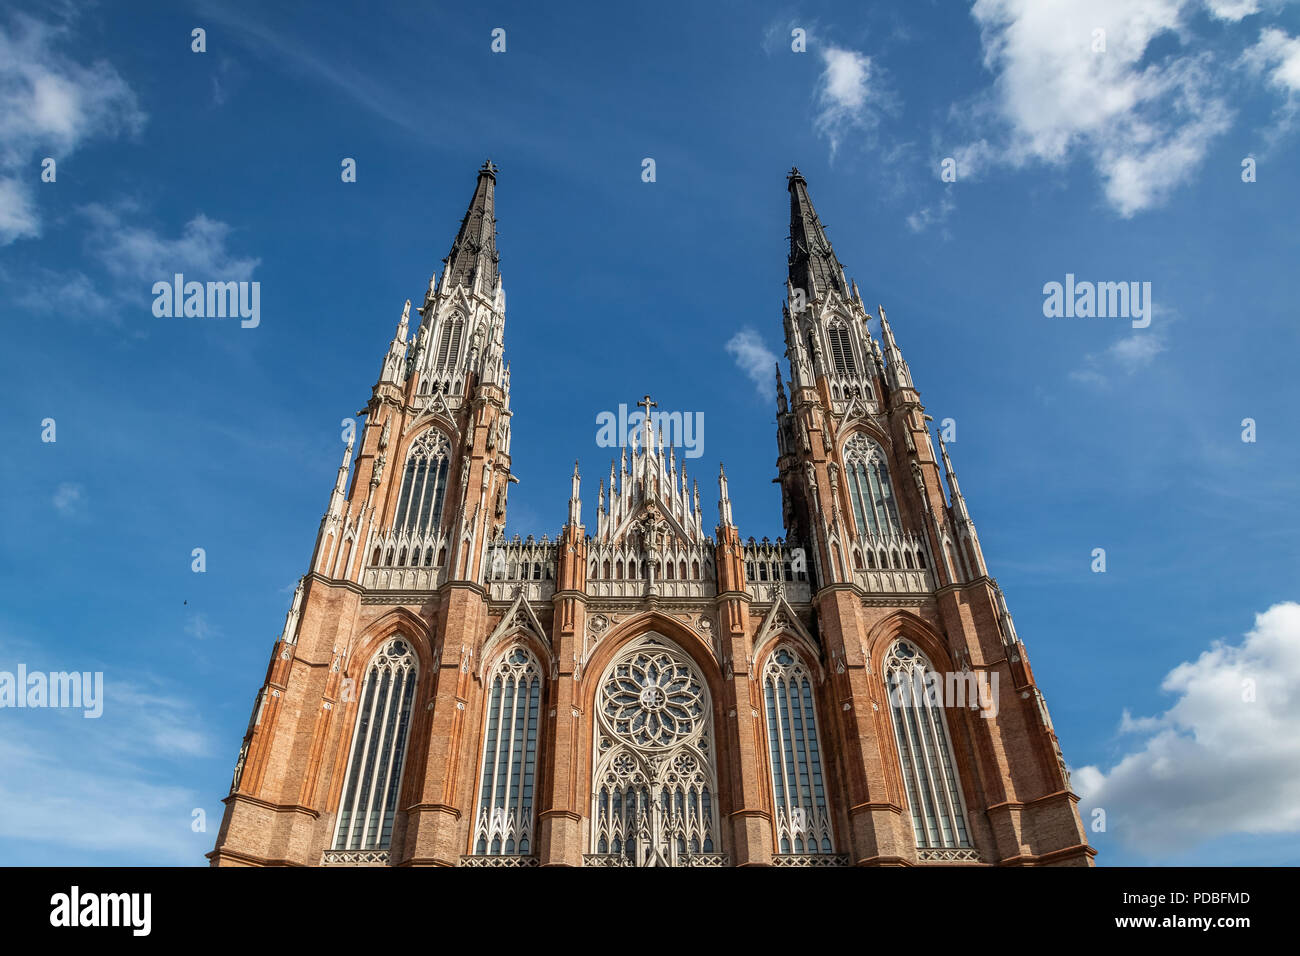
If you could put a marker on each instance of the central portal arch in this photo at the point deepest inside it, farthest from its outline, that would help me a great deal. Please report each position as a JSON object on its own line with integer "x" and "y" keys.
{"x": 654, "y": 778}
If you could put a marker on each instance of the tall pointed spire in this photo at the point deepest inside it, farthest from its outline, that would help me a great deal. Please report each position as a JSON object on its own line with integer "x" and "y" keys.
{"x": 899, "y": 375}
{"x": 339, "y": 496}
{"x": 968, "y": 538}
{"x": 813, "y": 266}
{"x": 954, "y": 489}
{"x": 396, "y": 366}
{"x": 473, "y": 257}
{"x": 724, "y": 499}
{"x": 575, "y": 499}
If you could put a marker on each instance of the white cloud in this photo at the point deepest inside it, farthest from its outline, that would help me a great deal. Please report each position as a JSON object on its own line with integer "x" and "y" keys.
{"x": 1145, "y": 125}
{"x": 18, "y": 216}
{"x": 58, "y": 293}
{"x": 72, "y": 787}
{"x": 160, "y": 724}
{"x": 1224, "y": 759}
{"x": 754, "y": 359}
{"x": 88, "y": 786}
{"x": 1125, "y": 357}
{"x": 49, "y": 105}
{"x": 1232, "y": 10}
{"x": 62, "y": 803}
{"x": 1137, "y": 350}
{"x": 200, "y": 628}
{"x": 69, "y": 499}
{"x": 935, "y": 214}
{"x": 846, "y": 94}
{"x": 132, "y": 252}
{"x": 1279, "y": 55}
{"x": 135, "y": 256}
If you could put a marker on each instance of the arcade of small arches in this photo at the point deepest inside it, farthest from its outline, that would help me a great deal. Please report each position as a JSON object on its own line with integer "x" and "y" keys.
{"x": 654, "y": 792}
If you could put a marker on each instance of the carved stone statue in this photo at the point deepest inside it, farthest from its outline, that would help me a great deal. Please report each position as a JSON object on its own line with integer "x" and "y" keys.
{"x": 239, "y": 767}
{"x": 810, "y": 472}
{"x": 649, "y": 525}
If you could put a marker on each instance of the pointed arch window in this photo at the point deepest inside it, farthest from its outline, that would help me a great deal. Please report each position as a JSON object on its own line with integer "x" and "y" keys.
{"x": 504, "y": 823}
{"x": 369, "y": 801}
{"x": 449, "y": 342}
{"x": 803, "y": 824}
{"x": 424, "y": 484}
{"x": 841, "y": 350}
{"x": 654, "y": 782}
{"x": 924, "y": 748}
{"x": 874, "y": 507}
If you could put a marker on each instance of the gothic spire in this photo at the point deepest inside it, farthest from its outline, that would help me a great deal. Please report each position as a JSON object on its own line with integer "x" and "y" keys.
{"x": 338, "y": 497}
{"x": 813, "y": 266}
{"x": 899, "y": 375}
{"x": 473, "y": 257}
{"x": 954, "y": 489}
{"x": 724, "y": 500}
{"x": 575, "y": 499}
{"x": 968, "y": 538}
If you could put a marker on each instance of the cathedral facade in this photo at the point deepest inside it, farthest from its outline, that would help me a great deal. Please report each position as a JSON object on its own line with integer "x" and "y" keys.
{"x": 643, "y": 692}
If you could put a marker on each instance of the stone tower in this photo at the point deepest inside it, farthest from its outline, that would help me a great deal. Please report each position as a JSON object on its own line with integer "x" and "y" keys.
{"x": 647, "y": 694}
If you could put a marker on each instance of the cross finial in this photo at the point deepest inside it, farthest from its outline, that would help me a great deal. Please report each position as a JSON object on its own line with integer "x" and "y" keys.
{"x": 648, "y": 405}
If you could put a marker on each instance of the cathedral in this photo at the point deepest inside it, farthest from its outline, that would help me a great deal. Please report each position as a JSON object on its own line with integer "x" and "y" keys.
{"x": 648, "y": 689}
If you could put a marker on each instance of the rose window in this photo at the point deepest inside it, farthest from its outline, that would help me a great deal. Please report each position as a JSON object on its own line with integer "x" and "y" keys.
{"x": 652, "y": 700}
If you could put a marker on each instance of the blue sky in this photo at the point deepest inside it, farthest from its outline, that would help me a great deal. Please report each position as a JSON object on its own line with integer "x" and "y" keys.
{"x": 1122, "y": 164}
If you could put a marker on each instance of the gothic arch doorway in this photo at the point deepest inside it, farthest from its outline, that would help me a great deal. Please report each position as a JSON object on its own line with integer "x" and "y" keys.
{"x": 654, "y": 769}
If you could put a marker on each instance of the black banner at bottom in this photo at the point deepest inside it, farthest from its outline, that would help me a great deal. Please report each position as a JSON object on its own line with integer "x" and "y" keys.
{"x": 338, "y": 905}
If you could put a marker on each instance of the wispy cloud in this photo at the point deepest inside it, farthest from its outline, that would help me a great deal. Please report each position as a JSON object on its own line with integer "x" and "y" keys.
{"x": 132, "y": 251}
{"x": 200, "y": 628}
{"x": 46, "y": 799}
{"x": 1232, "y": 10}
{"x": 848, "y": 94}
{"x": 754, "y": 358}
{"x": 85, "y": 787}
{"x": 50, "y": 104}
{"x": 134, "y": 255}
{"x": 289, "y": 50}
{"x": 69, "y": 499}
{"x": 1276, "y": 55}
{"x": 934, "y": 215}
{"x": 1123, "y": 358}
